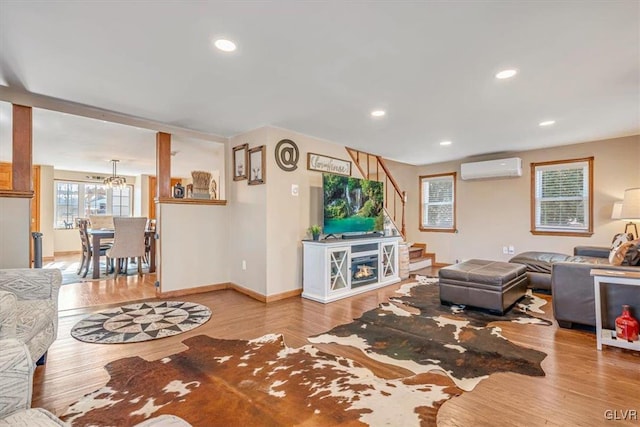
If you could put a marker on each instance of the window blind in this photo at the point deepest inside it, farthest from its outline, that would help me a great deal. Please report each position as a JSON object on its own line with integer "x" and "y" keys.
{"x": 562, "y": 196}
{"x": 438, "y": 202}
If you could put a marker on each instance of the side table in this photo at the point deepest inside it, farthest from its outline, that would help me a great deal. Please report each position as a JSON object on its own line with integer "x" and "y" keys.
{"x": 624, "y": 278}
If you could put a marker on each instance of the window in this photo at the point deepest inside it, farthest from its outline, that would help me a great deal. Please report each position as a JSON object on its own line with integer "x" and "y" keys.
{"x": 562, "y": 194}
{"x": 80, "y": 199}
{"x": 438, "y": 202}
{"x": 66, "y": 204}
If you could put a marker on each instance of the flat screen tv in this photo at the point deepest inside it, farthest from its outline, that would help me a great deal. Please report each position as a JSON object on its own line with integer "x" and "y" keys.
{"x": 352, "y": 205}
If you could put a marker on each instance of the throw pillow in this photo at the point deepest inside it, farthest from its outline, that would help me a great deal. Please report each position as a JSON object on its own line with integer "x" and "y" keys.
{"x": 619, "y": 239}
{"x": 617, "y": 242}
{"x": 633, "y": 254}
{"x": 616, "y": 257}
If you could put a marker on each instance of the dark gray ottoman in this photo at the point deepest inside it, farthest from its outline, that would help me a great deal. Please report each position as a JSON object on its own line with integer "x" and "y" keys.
{"x": 493, "y": 285}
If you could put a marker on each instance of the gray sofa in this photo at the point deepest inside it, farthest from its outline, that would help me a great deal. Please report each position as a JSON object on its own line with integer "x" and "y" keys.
{"x": 568, "y": 277}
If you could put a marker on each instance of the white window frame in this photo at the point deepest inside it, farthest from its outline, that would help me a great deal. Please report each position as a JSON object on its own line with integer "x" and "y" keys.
{"x": 537, "y": 169}
{"x": 81, "y": 193}
{"x": 424, "y": 226}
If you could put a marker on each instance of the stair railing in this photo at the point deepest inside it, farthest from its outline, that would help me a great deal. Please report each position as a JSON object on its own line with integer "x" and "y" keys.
{"x": 372, "y": 167}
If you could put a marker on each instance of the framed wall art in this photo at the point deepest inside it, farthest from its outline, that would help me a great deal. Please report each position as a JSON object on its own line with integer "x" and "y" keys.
{"x": 240, "y": 156}
{"x": 257, "y": 165}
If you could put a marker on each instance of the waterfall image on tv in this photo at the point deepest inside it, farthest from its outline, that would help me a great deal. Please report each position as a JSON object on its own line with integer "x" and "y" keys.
{"x": 352, "y": 204}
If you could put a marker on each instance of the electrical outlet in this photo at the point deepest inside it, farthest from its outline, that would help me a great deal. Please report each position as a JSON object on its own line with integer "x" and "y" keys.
{"x": 295, "y": 190}
{"x": 512, "y": 250}
{"x": 244, "y": 264}
{"x": 505, "y": 250}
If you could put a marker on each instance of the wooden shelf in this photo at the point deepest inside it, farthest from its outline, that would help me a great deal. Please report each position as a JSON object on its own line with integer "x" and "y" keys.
{"x": 625, "y": 278}
{"x": 171, "y": 200}
{"x": 607, "y": 337}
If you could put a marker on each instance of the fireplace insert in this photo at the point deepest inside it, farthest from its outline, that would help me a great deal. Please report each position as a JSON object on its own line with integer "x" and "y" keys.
{"x": 364, "y": 270}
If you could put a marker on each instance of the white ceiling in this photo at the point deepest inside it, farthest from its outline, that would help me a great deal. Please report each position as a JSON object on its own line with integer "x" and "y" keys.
{"x": 319, "y": 68}
{"x": 76, "y": 143}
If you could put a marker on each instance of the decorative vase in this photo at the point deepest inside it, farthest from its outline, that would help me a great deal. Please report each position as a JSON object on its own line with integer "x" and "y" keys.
{"x": 315, "y": 236}
{"x": 626, "y": 326}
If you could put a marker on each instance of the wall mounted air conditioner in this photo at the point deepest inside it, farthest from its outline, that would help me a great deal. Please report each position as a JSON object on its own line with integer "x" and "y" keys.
{"x": 491, "y": 169}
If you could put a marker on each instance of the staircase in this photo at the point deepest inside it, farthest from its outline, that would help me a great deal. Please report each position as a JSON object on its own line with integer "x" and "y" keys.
{"x": 372, "y": 167}
{"x": 419, "y": 258}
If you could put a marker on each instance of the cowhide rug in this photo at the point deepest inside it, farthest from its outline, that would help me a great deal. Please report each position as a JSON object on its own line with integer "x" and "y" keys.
{"x": 258, "y": 383}
{"x": 416, "y": 332}
{"x": 263, "y": 382}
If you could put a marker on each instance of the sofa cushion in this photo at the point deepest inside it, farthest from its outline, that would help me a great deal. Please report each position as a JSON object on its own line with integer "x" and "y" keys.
{"x": 35, "y": 325}
{"x": 35, "y": 417}
{"x": 539, "y": 262}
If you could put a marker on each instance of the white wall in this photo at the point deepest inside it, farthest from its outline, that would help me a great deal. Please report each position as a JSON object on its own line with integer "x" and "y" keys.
{"x": 193, "y": 245}
{"x": 15, "y": 215}
{"x": 266, "y": 222}
{"x": 496, "y": 212}
{"x": 139, "y": 198}
{"x": 46, "y": 211}
{"x": 288, "y": 216}
{"x": 247, "y": 221}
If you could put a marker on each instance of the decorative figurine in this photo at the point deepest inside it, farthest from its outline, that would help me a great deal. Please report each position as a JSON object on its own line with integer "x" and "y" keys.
{"x": 178, "y": 191}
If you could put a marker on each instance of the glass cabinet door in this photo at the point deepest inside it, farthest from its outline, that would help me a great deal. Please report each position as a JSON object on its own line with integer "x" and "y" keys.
{"x": 338, "y": 269}
{"x": 388, "y": 260}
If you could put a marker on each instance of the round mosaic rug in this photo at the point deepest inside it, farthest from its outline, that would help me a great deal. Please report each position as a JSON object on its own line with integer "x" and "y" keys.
{"x": 141, "y": 322}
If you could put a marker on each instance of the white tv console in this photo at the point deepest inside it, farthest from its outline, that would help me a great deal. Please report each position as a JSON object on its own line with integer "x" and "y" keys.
{"x": 339, "y": 268}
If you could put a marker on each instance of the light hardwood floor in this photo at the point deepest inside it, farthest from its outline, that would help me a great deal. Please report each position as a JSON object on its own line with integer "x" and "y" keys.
{"x": 580, "y": 386}
{"x": 100, "y": 292}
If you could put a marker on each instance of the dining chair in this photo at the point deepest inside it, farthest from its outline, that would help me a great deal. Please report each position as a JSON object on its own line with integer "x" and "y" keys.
{"x": 101, "y": 221}
{"x": 151, "y": 227}
{"x": 87, "y": 249}
{"x": 128, "y": 242}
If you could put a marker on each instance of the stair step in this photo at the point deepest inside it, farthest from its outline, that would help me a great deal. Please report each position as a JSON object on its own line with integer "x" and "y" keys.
{"x": 420, "y": 263}
{"x": 417, "y": 250}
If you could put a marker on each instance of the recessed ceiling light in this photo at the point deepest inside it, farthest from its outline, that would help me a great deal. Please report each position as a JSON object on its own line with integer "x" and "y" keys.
{"x": 445, "y": 143}
{"x": 506, "y": 74}
{"x": 225, "y": 45}
{"x": 378, "y": 113}
{"x": 547, "y": 123}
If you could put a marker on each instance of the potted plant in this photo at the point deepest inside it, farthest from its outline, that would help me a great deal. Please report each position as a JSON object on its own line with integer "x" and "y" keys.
{"x": 315, "y": 231}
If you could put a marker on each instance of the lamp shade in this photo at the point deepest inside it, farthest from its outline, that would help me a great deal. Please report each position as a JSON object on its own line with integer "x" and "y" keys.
{"x": 631, "y": 204}
{"x": 616, "y": 213}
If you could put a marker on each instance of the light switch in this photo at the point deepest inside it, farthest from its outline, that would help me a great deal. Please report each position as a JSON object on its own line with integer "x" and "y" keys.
{"x": 294, "y": 189}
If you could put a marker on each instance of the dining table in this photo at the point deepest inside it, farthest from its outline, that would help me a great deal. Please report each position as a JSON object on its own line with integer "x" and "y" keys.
{"x": 97, "y": 235}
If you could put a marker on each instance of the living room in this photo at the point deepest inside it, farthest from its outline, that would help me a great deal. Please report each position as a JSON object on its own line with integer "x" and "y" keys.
{"x": 253, "y": 244}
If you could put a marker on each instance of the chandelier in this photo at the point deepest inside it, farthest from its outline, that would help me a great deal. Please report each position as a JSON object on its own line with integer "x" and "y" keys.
{"x": 115, "y": 181}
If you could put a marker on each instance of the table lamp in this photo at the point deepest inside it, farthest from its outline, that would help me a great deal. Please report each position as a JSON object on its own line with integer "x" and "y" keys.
{"x": 631, "y": 208}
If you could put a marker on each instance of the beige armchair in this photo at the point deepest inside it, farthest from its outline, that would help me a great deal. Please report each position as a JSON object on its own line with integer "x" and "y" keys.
{"x": 29, "y": 308}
